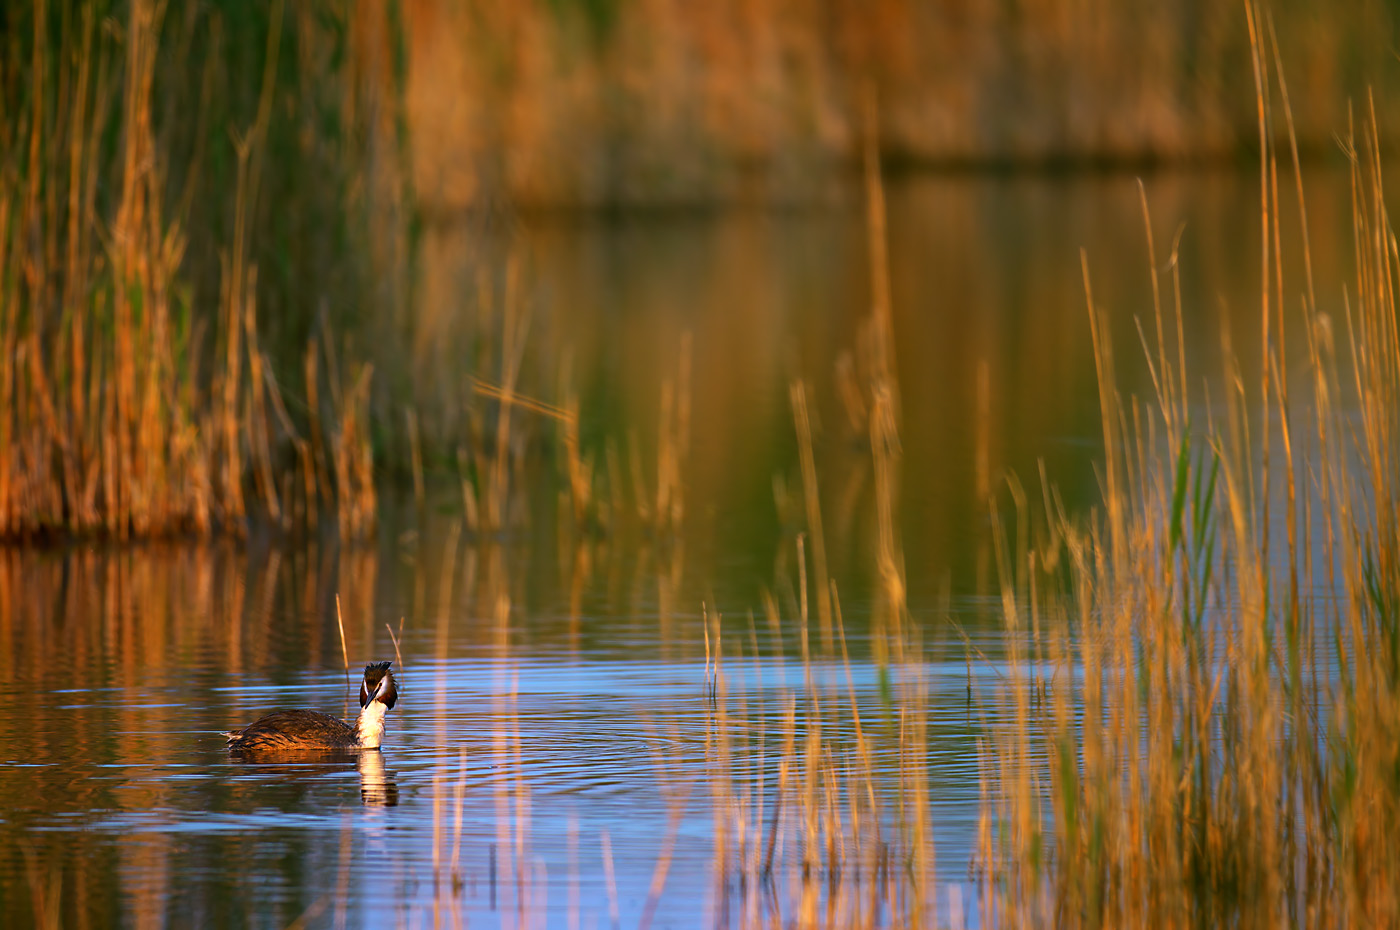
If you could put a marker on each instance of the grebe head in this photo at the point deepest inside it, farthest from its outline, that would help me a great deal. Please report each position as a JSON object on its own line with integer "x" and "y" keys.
{"x": 378, "y": 685}
{"x": 377, "y": 694}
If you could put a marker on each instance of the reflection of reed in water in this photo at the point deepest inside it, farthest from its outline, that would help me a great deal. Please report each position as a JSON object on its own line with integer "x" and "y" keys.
{"x": 113, "y": 617}
{"x": 121, "y": 621}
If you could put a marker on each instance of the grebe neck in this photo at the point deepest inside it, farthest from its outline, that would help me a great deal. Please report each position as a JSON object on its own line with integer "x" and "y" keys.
{"x": 369, "y": 728}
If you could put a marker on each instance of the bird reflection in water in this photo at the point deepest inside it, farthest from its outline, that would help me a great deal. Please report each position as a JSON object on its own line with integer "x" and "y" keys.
{"x": 377, "y": 785}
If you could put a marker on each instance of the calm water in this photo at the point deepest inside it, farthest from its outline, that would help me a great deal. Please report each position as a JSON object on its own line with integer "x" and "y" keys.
{"x": 536, "y": 761}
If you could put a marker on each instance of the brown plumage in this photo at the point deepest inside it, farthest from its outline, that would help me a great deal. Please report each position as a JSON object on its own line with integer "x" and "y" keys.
{"x": 296, "y": 730}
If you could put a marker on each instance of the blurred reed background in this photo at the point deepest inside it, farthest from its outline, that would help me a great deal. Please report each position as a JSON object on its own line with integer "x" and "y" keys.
{"x": 212, "y": 212}
{"x": 604, "y": 103}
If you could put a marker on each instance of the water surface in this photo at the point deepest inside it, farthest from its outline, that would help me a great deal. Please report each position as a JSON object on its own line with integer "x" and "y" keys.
{"x": 540, "y": 756}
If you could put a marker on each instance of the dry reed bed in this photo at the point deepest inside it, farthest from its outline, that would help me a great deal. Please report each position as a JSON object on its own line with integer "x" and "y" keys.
{"x": 117, "y": 416}
{"x": 1223, "y": 722}
{"x": 129, "y": 413}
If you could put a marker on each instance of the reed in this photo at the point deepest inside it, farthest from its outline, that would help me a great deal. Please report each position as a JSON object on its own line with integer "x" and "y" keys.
{"x": 121, "y": 414}
{"x": 820, "y": 816}
{"x": 1223, "y": 724}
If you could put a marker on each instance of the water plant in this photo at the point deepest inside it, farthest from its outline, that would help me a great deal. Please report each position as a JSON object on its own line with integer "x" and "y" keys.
{"x": 1222, "y": 726}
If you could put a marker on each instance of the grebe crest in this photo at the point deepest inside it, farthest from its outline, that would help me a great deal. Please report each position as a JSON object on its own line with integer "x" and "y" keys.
{"x": 284, "y": 730}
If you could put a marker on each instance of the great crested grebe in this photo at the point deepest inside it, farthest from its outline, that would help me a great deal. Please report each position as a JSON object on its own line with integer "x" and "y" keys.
{"x": 284, "y": 730}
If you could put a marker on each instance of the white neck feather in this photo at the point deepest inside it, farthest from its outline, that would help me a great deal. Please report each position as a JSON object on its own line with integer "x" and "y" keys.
{"x": 369, "y": 729}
